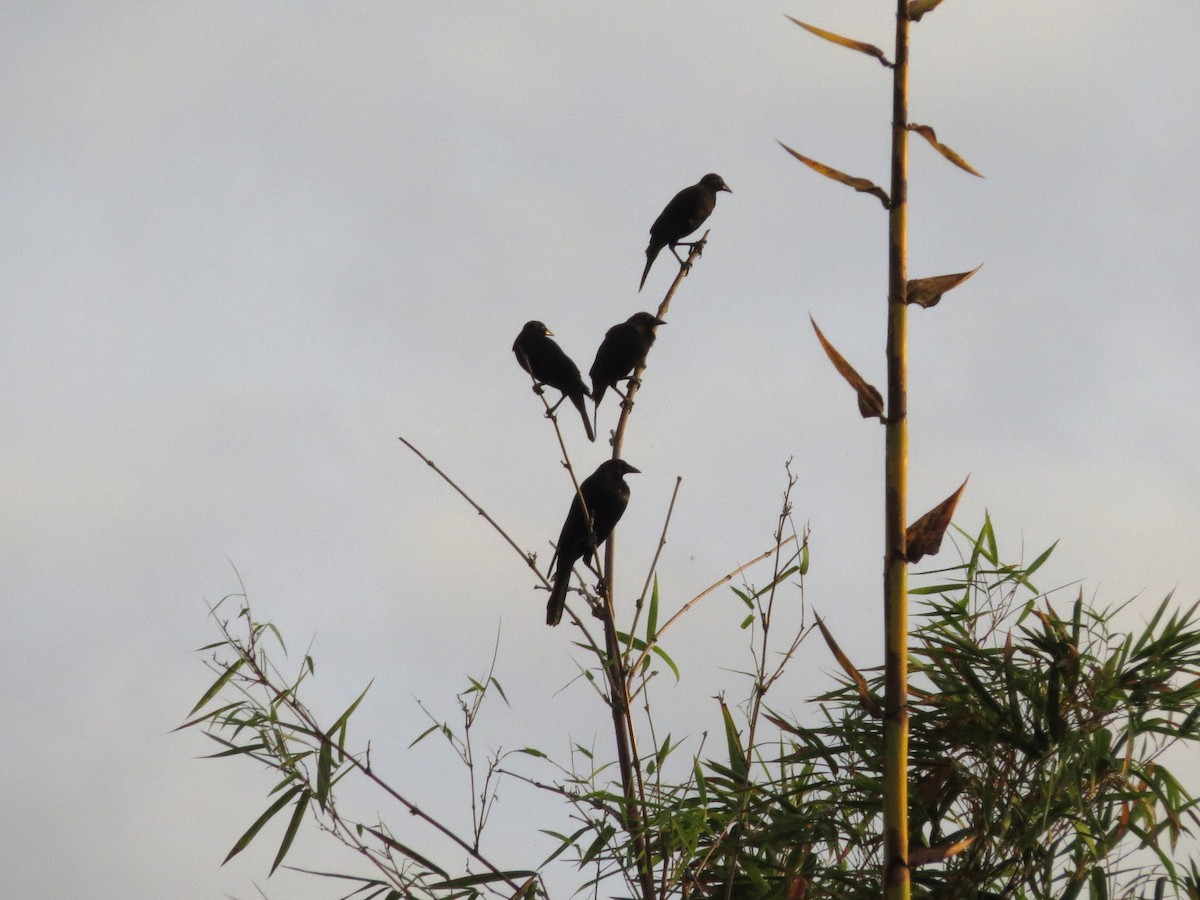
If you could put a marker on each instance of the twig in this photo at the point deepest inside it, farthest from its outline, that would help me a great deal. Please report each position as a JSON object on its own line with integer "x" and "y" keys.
{"x": 653, "y": 640}
{"x": 529, "y": 558}
{"x": 662, "y": 542}
{"x": 632, "y": 781}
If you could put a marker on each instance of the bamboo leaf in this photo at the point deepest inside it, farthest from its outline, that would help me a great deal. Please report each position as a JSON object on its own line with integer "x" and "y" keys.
{"x": 662, "y": 654}
{"x": 926, "y": 292}
{"x": 290, "y": 835}
{"x": 324, "y": 772}
{"x": 918, "y": 8}
{"x": 870, "y": 401}
{"x": 262, "y": 820}
{"x": 217, "y": 685}
{"x": 869, "y": 49}
{"x": 407, "y": 851}
{"x": 209, "y": 716}
{"x": 868, "y": 700}
{"x": 483, "y": 878}
{"x": 930, "y": 135}
{"x": 924, "y": 536}
{"x": 733, "y": 741}
{"x": 862, "y": 185}
{"x": 424, "y": 734}
{"x": 344, "y": 718}
{"x": 652, "y": 614}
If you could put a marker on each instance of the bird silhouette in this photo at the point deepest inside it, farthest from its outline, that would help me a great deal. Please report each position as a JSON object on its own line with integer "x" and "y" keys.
{"x": 684, "y": 214}
{"x": 606, "y": 495}
{"x": 541, "y": 357}
{"x": 623, "y": 349}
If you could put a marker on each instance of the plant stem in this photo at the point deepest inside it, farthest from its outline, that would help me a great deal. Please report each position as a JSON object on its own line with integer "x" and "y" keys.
{"x": 896, "y": 880}
{"x": 616, "y": 664}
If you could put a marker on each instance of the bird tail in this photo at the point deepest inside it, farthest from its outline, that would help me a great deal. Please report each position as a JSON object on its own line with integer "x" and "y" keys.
{"x": 651, "y": 255}
{"x": 587, "y": 424}
{"x": 597, "y": 393}
{"x": 558, "y": 596}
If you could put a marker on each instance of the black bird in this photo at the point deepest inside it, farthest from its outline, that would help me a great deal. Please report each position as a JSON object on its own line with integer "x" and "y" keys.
{"x": 623, "y": 349}
{"x": 684, "y": 214}
{"x": 542, "y": 358}
{"x": 606, "y": 495}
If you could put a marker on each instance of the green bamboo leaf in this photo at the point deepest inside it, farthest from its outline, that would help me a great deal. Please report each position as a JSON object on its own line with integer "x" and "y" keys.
{"x": 1040, "y": 561}
{"x": 652, "y": 614}
{"x": 424, "y": 734}
{"x": 1148, "y": 633}
{"x": 565, "y": 842}
{"x": 701, "y": 782}
{"x": 947, "y": 588}
{"x": 237, "y": 751}
{"x": 733, "y": 741}
{"x": 804, "y": 560}
{"x": 494, "y": 682}
{"x": 344, "y": 718}
{"x": 862, "y": 185}
{"x": 603, "y": 834}
{"x": 482, "y": 878}
{"x": 989, "y": 534}
{"x": 407, "y": 851}
{"x": 868, "y": 49}
{"x": 662, "y": 654}
{"x": 324, "y": 771}
{"x": 217, "y": 685}
{"x": 210, "y": 716}
{"x": 262, "y": 820}
{"x": 290, "y": 835}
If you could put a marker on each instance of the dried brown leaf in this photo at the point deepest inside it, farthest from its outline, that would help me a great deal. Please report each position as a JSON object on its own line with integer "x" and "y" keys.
{"x": 918, "y": 8}
{"x": 928, "y": 133}
{"x": 923, "y": 856}
{"x": 870, "y": 401}
{"x": 927, "y": 292}
{"x": 869, "y": 49}
{"x": 924, "y": 536}
{"x": 868, "y": 700}
{"x": 862, "y": 185}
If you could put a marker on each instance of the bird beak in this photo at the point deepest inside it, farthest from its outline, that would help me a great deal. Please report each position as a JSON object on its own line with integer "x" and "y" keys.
{"x": 630, "y": 470}
{"x": 660, "y": 322}
{"x": 726, "y": 188}
{"x": 549, "y": 333}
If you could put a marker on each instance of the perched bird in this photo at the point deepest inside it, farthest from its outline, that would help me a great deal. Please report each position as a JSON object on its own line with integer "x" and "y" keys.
{"x": 623, "y": 349}
{"x": 684, "y": 214}
{"x": 606, "y": 495}
{"x": 542, "y": 358}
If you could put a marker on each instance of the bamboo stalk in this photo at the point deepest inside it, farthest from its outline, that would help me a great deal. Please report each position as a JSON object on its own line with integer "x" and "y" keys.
{"x": 896, "y": 880}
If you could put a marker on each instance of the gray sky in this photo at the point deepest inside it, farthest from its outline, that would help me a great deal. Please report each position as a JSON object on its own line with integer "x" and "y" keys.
{"x": 250, "y": 244}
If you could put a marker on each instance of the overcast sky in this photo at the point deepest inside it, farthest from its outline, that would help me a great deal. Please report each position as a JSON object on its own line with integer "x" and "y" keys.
{"x": 249, "y": 244}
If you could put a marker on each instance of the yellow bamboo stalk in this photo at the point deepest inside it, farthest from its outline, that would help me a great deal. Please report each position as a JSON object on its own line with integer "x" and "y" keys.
{"x": 896, "y": 881}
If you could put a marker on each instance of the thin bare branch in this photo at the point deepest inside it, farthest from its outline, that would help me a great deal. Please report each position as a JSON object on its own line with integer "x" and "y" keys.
{"x": 662, "y": 542}
{"x": 654, "y": 640}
